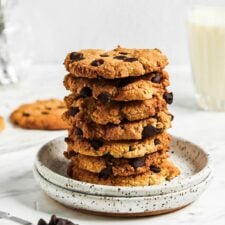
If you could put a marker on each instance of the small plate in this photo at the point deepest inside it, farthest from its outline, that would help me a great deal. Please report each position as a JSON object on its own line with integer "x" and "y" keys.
{"x": 122, "y": 206}
{"x": 195, "y": 165}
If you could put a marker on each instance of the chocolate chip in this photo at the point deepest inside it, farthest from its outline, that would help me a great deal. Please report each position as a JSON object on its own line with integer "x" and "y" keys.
{"x": 123, "y": 53}
{"x": 130, "y": 59}
{"x": 66, "y": 139}
{"x": 76, "y": 56}
{"x": 44, "y": 113}
{"x": 172, "y": 117}
{"x": 157, "y": 141}
{"x": 42, "y": 222}
{"x": 73, "y": 111}
{"x": 104, "y": 97}
{"x": 97, "y": 62}
{"x": 137, "y": 162}
{"x": 26, "y": 114}
{"x": 96, "y": 144}
{"x": 108, "y": 157}
{"x": 155, "y": 169}
{"x": 120, "y": 57}
{"x": 71, "y": 154}
{"x": 85, "y": 92}
{"x": 105, "y": 173}
{"x": 150, "y": 131}
{"x": 53, "y": 220}
{"x": 104, "y": 55}
{"x": 156, "y": 78}
{"x": 168, "y": 96}
{"x": 78, "y": 131}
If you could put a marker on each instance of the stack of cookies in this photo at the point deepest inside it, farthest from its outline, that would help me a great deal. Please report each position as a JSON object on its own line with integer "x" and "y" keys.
{"x": 118, "y": 116}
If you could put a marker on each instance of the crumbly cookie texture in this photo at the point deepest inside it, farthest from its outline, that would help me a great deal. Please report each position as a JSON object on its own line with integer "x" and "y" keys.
{"x": 125, "y": 131}
{"x": 118, "y": 63}
{"x": 122, "y": 166}
{"x": 119, "y": 149}
{"x": 92, "y": 110}
{"x": 42, "y": 114}
{"x": 126, "y": 89}
{"x": 2, "y": 124}
{"x": 167, "y": 172}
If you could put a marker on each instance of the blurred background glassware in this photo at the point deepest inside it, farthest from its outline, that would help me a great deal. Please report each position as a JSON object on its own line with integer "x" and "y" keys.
{"x": 15, "y": 44}
{"x": 206, "y": 25}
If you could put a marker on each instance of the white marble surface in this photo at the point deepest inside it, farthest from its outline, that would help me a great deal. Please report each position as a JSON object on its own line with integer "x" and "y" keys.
{"x": 21, "y": 196}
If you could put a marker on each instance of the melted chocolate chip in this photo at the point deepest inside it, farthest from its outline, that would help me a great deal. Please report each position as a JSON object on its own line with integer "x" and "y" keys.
{"x": 168, "y": 96}
{"x": 104, "y": 55}
{"x": 26, "y": 114}
{"x": 150, "y": 131}
{"x": 96, "y": 144}
{"x": 157, "y": 141}
{"x": 130, "y": 59}
{"x": 97, "y": 62}
{"x": 104, "y": 97}
{"x": 85, "y": 92}
{"x": 105, "y": 173}
{"x": 156, "y": 78}
{"x": 137, "y": 162}
{"x": 120, "y": 57}
{"x": 78, "y": 131}
{"x": 76, "y": 56}
{"x": 155, "y": 169}
{"x": 123, "y": 53}
{"x": 73, "y": 111}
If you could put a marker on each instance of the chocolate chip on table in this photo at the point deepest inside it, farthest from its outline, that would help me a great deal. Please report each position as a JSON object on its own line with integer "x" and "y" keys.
{"x": 156, "y": 78}
{"x": 55, "y": 221}
{"x": 157, "y": 141}
{"x": 150, "y": 131}
{"x": 97, "y": 62}
{"x": 78, "y": 131}
{"x": 85, "y": 92}
{"x": 73, "y": 111}
{"x": 120, "y": 57}
{"x": 168, "y": 96}
{"x": 137, "y": 162}
{"x": 26, "y": 114}
{"x": 96, "y": 144}
{"x": 130, "y": 59}
{"x": 76, "y": 56}
{"x": 105, "y": 173}
{"x": 104, "y": 97}
{"x": 155, "y": 169}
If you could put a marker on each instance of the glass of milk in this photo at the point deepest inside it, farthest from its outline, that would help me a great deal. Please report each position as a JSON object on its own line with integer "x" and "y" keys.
{"x": 206, "y": 26}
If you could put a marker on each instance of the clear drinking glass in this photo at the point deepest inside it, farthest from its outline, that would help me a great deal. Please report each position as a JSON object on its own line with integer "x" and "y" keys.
{"x": 206, "y": 26}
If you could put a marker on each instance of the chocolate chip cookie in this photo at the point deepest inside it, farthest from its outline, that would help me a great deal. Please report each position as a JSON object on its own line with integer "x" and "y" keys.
{"x": 2, "y": 124}
{"x": 126, "y": 89}
{"x": 119, "y": 149}
{"x": 125, "y": 131}
{"x": 92, "y": 110}
{"x": 156, "y": 175}
{"x": 118, "y": 63}
{"x": 42, "y": 114}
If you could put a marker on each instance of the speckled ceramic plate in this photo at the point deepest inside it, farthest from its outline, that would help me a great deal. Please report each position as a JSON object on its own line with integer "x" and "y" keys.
{"x": 122, "y": 206}
{"x": 194, "y": 162}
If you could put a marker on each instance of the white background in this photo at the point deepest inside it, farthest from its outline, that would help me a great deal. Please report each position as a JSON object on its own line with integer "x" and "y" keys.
{"x": 58, "y": 26}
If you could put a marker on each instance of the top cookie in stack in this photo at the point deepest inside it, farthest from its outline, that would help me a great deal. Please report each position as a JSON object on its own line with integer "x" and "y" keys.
{"x": 118, "y": 117}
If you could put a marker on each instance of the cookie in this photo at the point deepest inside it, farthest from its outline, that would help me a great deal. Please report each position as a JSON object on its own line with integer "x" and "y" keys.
{"x": 42, "y": 114}
{"x": 122, "y": 166}
{"x": 125, "y": 131}
{"x": 126, "y": 89}
{"x": 92, "y": 110}
{"x": 119, "y": 149}
{"x": 118, "y": 63}
{"x": 166, "y": 171}
{"x": 2, "y": 124}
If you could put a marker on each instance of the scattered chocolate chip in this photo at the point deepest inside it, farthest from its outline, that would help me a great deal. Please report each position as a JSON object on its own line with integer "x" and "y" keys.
{"x": 120, "y": 57}
{"x": 104, "y": 55}
{"x": 156, "y": 78}
{"x": 73, "y": 111}
{"x": 76, "y": 56}
{"x": 137, "y": 162}
{"x": 105, "y": 173}
{"x": 85, "y": 92}
{"x": 150, "y": 131}
{"x": 26, "y": 114}
{"x": 42, "y": 222}
{"x": 96, "y": 144}
{"x": 78, "y": 131}
{"x": 157, "y": 141}
{"x": 155, "y": 169}
{"x": 130, "y": 59}
{"x": 44, "y": 113}
{"x": 97, "y": 62}
{"x": 168, "y": 96}
{"x": 123, "y": 53}
{"x": 104, "y": 97}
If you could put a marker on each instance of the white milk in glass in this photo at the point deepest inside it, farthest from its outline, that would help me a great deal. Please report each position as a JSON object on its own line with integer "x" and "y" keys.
{"x": 207, "y": 51}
